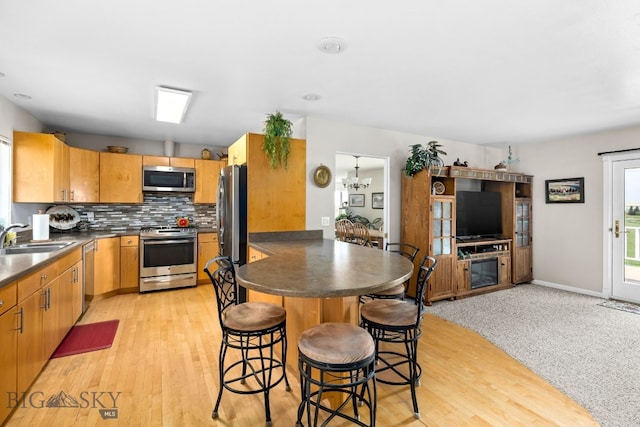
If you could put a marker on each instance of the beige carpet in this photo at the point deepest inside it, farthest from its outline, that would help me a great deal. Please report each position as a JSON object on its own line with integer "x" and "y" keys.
{"x": 590, "y": 352}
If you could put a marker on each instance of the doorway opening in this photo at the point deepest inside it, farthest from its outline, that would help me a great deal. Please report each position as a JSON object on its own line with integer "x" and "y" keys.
{"x": 362, "y": 199}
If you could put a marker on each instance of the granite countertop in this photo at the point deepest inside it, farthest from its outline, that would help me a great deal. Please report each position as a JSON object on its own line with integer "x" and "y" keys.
{"x": 322, "y": 268}
{"x": 16, "y": 266}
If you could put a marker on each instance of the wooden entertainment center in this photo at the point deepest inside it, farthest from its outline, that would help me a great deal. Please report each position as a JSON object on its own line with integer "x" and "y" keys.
{"x": 474, "y": 265}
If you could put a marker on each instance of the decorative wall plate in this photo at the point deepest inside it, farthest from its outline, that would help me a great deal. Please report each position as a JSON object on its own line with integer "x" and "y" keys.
{"x": 438, "y": 187}
{"x": 322, "y": 176}
{"x": 63, "y": 217}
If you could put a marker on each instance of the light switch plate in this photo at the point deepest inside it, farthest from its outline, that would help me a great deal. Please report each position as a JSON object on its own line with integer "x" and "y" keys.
{"x": 325, "y": 221}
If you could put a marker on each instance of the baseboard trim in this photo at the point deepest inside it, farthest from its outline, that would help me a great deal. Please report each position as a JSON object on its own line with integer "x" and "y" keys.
{"x": 568, "y": 288}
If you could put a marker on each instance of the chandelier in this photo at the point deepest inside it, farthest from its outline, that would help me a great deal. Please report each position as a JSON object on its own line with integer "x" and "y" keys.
{"x": 354, "y": 182}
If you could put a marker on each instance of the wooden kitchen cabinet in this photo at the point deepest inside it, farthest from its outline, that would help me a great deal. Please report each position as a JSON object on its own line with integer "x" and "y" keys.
{"x": 52, "y": 312}
{"x": 32, "y": 299}
{"x": 84, "y": 175}
{"x": 40, "y": 168}
{"x": 9, "y": 323}
{"x": 107, "y": 266}
{"x": 272, "y": 206}
{"x": 71, "y": 295}
{"x": 207, "y": 249}
{"x": 177, "y": 162}
{"x": 48, "y": 304}
{"x": 255, "y": 296}
{"x": 207, "y": 175}
{"x": 129, "y": 263}
{"x": 120, "y": 178}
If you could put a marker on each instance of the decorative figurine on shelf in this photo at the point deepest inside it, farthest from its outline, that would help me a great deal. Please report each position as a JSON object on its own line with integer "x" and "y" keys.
{"x": 459, "y": 163}
{"x": 205, "y": 154}
{"x": 509, "y": 161}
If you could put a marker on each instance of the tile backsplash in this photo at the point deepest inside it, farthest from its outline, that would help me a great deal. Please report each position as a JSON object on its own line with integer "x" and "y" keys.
{"x": 157, "y": 210}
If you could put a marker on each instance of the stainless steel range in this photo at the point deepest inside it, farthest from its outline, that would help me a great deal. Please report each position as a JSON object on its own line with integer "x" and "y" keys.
{"x": 167, "y": 258}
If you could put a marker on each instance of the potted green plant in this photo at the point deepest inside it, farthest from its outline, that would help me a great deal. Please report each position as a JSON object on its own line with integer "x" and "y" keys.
{"x": 277, "y": 139}
{"x": 424, "y": 158}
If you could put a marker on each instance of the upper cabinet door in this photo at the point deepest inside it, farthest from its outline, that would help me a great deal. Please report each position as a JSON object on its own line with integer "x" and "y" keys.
{"x": 207, "y": 175}
{"x": 120, "y": 178}
{"x": 40, "y": 168}
{"x": 84, "y": 175}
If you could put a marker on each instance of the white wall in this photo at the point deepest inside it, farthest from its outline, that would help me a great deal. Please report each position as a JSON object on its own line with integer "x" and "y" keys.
{"x": 325, "y": 138}
{"x": 567, "y": 238}
{"x": 139, "y": 146}
{"x": 13, "y": 118}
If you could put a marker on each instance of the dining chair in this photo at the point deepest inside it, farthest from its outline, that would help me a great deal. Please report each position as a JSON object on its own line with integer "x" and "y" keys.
{"x": 344, "y": 230}
{"x": 398, "y": 324}
{"x": 254, "y": 329}
{"x": 361, "y": 235}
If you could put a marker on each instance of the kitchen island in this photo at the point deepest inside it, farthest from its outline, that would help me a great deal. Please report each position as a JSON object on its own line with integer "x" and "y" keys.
{"x": 317, "y": 280}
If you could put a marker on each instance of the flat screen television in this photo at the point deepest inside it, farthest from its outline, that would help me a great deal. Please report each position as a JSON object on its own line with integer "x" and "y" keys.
{"x": 478, "y": 214}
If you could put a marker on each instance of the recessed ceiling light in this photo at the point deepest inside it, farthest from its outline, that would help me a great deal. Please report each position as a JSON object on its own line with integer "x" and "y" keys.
{"x": 331, "y": 45}
{"x": 311, "y": 97}
{"x": 171, "y": 104}
{"x": 21, "y": 96}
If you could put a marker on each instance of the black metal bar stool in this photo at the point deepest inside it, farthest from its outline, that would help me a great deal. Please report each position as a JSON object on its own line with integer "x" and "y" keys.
{"x": 253, "y": 328}
{"x": 398, "y": 291}
{"x": 336, "y": 357}
{"x": 398, "y": 322}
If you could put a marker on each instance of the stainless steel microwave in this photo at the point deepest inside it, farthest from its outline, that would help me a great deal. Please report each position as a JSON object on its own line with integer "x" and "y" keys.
{"x": 168, "y": 178}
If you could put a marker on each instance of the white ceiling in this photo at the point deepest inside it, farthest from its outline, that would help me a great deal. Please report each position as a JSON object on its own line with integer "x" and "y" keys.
{"x": 478, "y": 71}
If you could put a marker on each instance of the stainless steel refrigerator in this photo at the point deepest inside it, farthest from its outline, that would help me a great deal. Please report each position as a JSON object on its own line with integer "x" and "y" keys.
{"x": 231, "y": 215}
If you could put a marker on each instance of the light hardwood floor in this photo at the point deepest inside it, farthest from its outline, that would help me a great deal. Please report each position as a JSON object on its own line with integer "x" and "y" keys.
{"x": 164, "y": 363}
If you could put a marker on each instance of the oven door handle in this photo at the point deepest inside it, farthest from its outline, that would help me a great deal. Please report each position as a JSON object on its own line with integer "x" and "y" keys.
{"x": 166, "y": 242}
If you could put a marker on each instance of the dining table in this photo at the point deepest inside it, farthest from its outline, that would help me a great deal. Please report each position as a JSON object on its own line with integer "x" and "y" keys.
{"x": 317, "y": 280}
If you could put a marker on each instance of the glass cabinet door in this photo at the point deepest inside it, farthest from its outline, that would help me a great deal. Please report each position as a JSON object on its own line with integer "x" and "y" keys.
{"x": 442, "y": 226}
{"x": 523, "y": 223}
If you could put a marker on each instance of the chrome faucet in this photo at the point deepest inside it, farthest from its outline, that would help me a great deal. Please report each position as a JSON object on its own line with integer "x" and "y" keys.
{"x": 4, "y": 232}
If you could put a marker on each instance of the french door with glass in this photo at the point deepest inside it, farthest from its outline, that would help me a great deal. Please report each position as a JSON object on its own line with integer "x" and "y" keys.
{"x": 625, "y": 230}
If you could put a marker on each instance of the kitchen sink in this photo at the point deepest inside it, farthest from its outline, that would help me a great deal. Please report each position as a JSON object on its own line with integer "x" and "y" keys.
{"x": 34, "y": 248}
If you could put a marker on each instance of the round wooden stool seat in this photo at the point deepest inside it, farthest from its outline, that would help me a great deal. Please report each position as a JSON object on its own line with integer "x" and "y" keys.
{"x": 337, "y": 358}
{"x": 253, "y": 316}
{"x": 390, "y": 312}
{"x": 336, "y": 343}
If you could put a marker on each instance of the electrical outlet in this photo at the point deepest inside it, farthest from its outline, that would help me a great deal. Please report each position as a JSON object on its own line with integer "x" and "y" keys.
{"x": 90, "y": 216}
{"x": 325, "y": 221}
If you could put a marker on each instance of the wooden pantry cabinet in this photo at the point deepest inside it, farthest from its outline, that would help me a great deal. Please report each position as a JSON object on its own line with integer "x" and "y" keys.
{"x": 272, "y": 205}
{"x": 471, "y": 266}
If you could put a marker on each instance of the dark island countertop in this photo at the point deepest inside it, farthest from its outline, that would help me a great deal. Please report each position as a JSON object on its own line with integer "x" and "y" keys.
{"x": 322, "y": 268}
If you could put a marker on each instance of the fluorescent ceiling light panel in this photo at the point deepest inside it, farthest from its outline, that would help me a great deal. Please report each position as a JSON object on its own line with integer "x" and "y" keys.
{"x": 171, "y": 104}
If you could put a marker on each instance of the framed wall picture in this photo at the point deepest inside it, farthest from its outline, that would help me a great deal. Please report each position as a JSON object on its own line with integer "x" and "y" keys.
{"x": 565, "y": 190}
{"x": 356, "y": 200}
{"x": 377, "y": 200}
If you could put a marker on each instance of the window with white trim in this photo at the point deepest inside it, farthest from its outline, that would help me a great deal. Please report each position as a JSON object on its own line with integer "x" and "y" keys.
{"x": 5, "y": 180}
